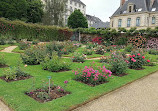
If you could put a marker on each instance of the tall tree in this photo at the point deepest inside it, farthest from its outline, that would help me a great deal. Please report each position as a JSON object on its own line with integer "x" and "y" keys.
{"x": 77, "y": 19}
{"x": 13, "y": 9}
{"x": 54, "y": 12}
{"x": 34, "y": 11}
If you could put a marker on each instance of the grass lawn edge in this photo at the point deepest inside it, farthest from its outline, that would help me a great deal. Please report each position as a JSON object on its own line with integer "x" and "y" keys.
{"x": 97, "y": 97}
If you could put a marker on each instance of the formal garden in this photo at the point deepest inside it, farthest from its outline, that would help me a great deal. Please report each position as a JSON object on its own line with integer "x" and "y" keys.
{"x": 47, "y": 71}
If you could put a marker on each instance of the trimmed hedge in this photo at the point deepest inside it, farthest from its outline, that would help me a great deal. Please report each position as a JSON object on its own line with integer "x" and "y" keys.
{"x": 21, "y": 30}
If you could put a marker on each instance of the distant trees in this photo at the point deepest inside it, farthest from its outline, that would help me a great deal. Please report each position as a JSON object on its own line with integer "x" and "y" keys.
{"x": 77, "y": 19}
{"x": 26, "y": 10}
{"x": 54, "y": 12}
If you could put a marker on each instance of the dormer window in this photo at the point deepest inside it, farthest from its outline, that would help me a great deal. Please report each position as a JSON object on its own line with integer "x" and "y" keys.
{"x": 153, "y": 20}
{"x": 139, "y": 10}
{"x": 130, "y": 7}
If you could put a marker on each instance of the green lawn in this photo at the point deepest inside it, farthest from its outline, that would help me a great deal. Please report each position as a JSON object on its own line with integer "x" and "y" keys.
{"x": 4, "y": 46}
{"x": 17, "y": 50}
{"x": 13, "y": 93}
{"x": 80, "y": 50}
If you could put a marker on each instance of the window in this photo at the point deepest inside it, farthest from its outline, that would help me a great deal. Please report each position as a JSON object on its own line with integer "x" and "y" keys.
{"x": 153, "y": 9}
{"x": 79, "y": 5}
{"x": 71, "y": 10}
{"x": 119, "y": 22}
{"x": 130, "y": 9}
{"x": 153, "y": 20}
{"x": 70, "y": 1}
{"x": 75, "y": 4}
{"x": 83, "y": 6}
{"x": 112, "y": 23}
{"x": 138, "y": 21}
{"x": 128, "y": 22}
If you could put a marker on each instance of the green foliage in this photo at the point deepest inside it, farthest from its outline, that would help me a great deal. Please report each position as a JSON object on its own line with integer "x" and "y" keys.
{"x": 104, "y": 59}
{"x": 153, "y": 51}
{"x": 20, "y": 30}
{"x": 136, "y": 60}
{"x": 100, "y": 50}
{"x": 2, "y": 60}
{"x": 25, "y": 10}
{"x": 24, "y": 45}
{"x": 129, "y": 48}
{"x": 118, "y": 63}
{"x": 35, "y": 42}
{"x": 13, "y": 73}
{"x": 77, "y": 19}
{"x": 88, "y": 51}
{"x": 121, "y": 41}
{"x": 55, "y": 64}
{"x": 54, "y": 11}
{"x": 77, "y": 57}
{"x": 34, "y": 11}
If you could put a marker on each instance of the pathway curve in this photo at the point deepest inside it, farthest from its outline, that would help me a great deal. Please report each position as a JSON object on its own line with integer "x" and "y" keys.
{"x": 3, "y": 107}
{"x": 9, "y": 49}
{"x": 141, "y": 95}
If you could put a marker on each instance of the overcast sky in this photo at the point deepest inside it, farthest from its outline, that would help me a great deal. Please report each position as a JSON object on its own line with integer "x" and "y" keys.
{"x": 101, "y": 8}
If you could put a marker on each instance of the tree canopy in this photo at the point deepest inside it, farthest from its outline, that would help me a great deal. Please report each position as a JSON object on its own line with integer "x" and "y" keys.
{"x": 77, "y": 19}
{"x": 26, "y": 10}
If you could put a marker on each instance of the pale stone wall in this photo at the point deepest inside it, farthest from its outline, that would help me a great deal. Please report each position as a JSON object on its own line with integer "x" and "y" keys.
{"x": 145, "y": 20}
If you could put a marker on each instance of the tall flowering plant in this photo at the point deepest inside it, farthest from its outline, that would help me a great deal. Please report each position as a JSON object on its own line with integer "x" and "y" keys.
{"x": 97, "y": 40}
{"x": 136, "y": 60}
{"x": 93, "y": 75}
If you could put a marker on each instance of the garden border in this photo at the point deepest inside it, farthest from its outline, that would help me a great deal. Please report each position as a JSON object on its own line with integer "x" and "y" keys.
{"x": 95, "y": 98}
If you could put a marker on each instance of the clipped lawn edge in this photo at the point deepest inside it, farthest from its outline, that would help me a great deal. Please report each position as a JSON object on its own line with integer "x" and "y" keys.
{"x": 7, "y": 105}
{"x": 97, "y": 97}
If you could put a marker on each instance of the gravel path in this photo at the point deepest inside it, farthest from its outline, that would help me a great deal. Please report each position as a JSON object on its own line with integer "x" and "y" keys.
{"x": 3, "y": 107}
{"x": 141, "y": 95}
{"x": 9, "y": 49}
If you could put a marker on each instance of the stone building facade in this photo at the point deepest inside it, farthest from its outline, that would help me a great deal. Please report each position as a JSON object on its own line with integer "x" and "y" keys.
{"x": 73, "y": 5}
{"x": 135, "y": 13}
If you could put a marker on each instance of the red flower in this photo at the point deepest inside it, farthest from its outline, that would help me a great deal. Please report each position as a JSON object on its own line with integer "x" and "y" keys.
{"x": 138, "y": 54}
{"x": 133, "y": 55}
{"x": 143, "y": 57}
{"x": 148, "y": 60}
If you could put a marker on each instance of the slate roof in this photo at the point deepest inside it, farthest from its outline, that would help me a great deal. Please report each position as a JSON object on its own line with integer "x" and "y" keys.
{"x": 144, "y": 4}
{"x": 93, "y": 18}
{"x": 79, "y": 1}
{"x": 101, "y": 25}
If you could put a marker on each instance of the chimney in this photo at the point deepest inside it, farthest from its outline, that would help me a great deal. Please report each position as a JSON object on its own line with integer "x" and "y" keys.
{"x": 122, "y": 2}
{"x": 151, "y": 2}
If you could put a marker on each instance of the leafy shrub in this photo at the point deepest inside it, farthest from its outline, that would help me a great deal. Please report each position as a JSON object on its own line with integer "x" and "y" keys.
{"x": 14, "y": 73}
{"x": 35, "y": 55}
{"x": 129, "y": 48}
{"x": 55, "y": 64}
{"x": 24, "y": 45}
{"x": 35, "y": 42}
{"x": 152, "y": 51}
{"x": 100, "y": 50}
{"x": 90, "y": 46}
{"x": 93, "y": 75}
{"x": 2, "y": 60}
{"x": 97, "y": 40}
{"x": 77, "y": 57}
{"x": 88, "y": 51}
{"x": 152, "y": 43}
{"x": 118, "y": 63}
{"x": 136, "y": 60}
{"x": 77, "y": 44}
{"x": 104, "y": 59}
{"x": 2, "y": 41}
{"x": 121, "y": 41}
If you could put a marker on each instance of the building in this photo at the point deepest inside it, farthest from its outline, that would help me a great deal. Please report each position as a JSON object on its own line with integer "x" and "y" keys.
{"x": 101, "y": 25}
{"x": 135, "y": 13}
{"x": 92, "y": 20}
{"x": 73, "y": 5}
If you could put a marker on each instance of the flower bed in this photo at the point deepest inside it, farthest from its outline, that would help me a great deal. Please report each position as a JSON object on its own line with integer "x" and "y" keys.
{"x": 14, "y": 74}
{"x": 93, "y": 75}
{"x": 42, "y": 94}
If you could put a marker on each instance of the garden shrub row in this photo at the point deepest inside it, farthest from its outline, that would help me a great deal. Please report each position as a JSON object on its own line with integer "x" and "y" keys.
{"x": 21, "y": 30}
